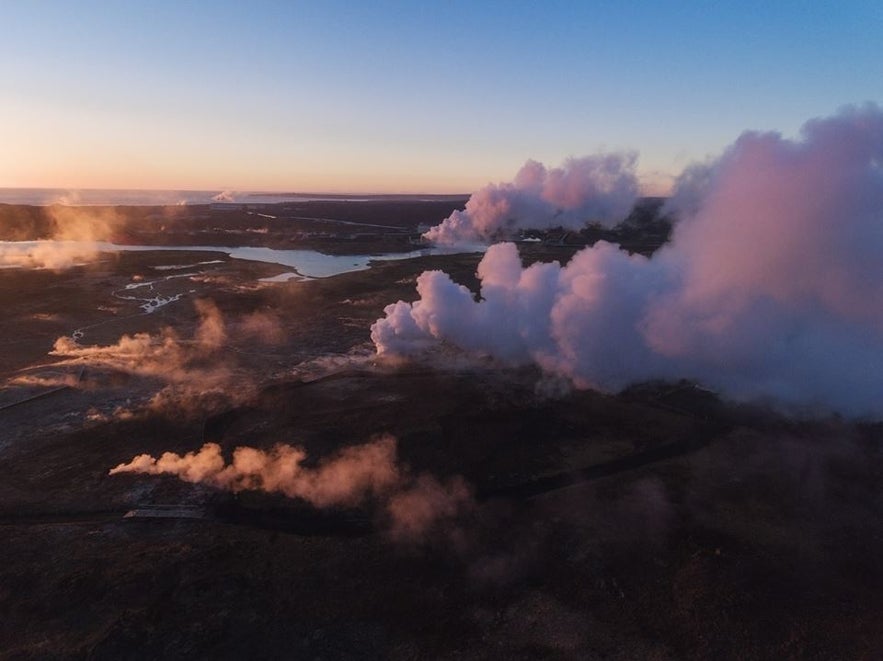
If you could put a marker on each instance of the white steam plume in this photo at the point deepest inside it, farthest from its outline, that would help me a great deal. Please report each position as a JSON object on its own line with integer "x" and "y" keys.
{"x": 225, "y": 196}
{"x": 600, "y": 188}
{"x": 772, "y": 285}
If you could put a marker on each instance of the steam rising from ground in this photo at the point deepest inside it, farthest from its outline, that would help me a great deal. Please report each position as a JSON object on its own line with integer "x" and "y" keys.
{"x": 349, "y": 478}
{"x": 164, "y": 355}
{"x": 601, "y": 188}
{"x": 195, "y": 370}
{"x": 772, "y": 285}
{"x": 75, "y": 233}
{"x": 55, "y": 255}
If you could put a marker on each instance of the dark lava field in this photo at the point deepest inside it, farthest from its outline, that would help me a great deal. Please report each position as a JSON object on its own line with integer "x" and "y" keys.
{"x": 658, "y": 523}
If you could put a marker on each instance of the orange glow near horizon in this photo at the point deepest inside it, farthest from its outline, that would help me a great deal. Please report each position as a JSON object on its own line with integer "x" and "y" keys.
{"x": 55, "y": 150}
{"x": 652, "y": 184}
{"x": 46, "y": 147}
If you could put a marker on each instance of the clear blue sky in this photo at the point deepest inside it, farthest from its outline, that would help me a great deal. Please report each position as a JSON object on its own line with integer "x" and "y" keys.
{"x": 387, "y": 96}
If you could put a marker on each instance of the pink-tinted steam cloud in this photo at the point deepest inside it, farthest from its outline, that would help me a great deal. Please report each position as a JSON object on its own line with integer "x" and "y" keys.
{"x": 600, "y": 188}
{"x": 771, "y": 287}
{"x": 349, "y": 478}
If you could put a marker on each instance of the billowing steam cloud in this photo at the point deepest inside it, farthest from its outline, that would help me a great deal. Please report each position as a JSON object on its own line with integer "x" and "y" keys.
{"x": 601, "y": 188}
{"x": 772, "y": 285}
{"x": 355, "y": 474}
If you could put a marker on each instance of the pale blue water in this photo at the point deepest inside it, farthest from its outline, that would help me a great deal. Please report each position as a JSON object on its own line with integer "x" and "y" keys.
{"x": 307, "y": 263}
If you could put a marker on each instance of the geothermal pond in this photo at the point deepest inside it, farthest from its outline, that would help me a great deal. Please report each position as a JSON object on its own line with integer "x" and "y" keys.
{"x": 304, "y": 263}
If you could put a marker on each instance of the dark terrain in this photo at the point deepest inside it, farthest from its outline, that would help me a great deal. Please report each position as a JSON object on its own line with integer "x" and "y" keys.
{"x": 657, "y": 523}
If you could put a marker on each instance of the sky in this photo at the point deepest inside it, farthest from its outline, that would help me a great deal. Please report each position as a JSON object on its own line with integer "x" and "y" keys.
{"x": 383, "y": 97}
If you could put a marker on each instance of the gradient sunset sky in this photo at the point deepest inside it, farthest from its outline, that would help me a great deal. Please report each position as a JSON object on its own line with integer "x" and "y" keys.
{"x": 408, "y": 97}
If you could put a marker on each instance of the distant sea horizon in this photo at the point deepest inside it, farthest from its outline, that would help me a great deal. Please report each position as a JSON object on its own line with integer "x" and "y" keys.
{"x": 135, "y": 197}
